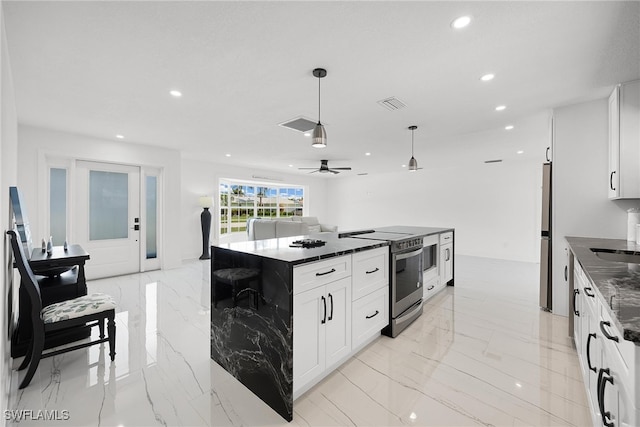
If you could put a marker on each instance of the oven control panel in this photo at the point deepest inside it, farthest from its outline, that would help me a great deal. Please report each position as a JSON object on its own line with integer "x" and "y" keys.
{"x": 407, "y": 244}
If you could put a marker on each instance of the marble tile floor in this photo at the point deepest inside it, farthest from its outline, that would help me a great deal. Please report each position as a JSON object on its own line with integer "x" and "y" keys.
{"x": 482, "y": 353}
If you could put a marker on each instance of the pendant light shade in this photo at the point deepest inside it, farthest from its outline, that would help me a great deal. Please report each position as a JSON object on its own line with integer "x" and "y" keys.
{"x": 413, "y": 163}
{"x": 319, "y": 137}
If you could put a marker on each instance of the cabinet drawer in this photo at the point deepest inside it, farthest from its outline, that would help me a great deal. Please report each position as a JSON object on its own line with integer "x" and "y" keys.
{"x": 446, "y": 238}
{"x": 370, "y": 271}
{"x": 370, "y": 315}
{"x": 309, "y": 276}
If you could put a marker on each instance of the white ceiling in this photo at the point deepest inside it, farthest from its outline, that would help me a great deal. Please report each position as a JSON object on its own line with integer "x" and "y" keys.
{"x": 106, "y": 68}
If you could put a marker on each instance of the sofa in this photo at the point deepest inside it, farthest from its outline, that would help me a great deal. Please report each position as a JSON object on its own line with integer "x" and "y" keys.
{"x": 266, "y": 228}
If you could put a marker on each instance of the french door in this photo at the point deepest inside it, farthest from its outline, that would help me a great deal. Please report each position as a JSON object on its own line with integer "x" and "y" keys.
{"x": 107, "y": 217}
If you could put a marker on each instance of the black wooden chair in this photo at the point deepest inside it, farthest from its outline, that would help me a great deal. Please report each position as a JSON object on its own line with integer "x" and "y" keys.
{"x": 75, "y": 312}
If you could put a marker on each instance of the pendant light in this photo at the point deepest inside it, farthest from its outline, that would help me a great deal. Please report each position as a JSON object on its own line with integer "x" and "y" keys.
{"x": 413, "y": 163}
{"x": 319, "y": 137}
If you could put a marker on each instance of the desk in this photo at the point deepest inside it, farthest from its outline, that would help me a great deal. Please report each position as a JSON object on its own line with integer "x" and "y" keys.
{"x": 61, "y": 277}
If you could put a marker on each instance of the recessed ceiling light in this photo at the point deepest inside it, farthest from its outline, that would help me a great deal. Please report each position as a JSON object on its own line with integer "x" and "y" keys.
{"x": 508, "y": 127}
{"x": 501, "y": 107}
{"x": 175, "y": 93}
{"x": 120, "y": 136}
{"x": 307, "y": 134}
{"x": 404, "y": 166}
{"x": 520, "y": 151}
{"x": 228, "y": 155}
{"x": 461, "y": 22}
{"x": 487, "y": 77}
{"x": 290, "y": 166}
{"x": 367, "y": 154}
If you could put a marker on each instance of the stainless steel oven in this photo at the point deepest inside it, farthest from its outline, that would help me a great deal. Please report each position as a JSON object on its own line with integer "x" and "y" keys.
{"x": 406, "y": 284}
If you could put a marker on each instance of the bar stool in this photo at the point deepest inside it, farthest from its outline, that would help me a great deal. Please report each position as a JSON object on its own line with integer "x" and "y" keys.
{"x": 239, "y": 279}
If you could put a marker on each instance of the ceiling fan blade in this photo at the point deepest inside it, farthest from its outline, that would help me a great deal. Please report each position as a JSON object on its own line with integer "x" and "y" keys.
{"x": 335, "y": 172}
{"x": 317, "y": 170}
{"x": 342, "y": 169}
{"x": 308, "y": 168}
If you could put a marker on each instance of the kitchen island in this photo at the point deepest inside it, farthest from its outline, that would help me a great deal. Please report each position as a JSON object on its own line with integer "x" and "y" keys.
{"x": 252, "y": 306}
{"x": 339, "y": 295}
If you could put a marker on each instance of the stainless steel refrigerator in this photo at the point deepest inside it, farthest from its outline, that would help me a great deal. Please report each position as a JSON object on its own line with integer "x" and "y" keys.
{"x": 545, "y": 242}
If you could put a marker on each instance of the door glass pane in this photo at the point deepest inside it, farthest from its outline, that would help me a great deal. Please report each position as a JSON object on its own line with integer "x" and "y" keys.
{"x": 108, "y": 205}
{"x": 152, "y": 219}
{"x": 58, "y": 205}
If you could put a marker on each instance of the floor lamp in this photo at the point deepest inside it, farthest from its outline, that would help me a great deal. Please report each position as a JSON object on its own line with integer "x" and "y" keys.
{"x": 206, "y": 202}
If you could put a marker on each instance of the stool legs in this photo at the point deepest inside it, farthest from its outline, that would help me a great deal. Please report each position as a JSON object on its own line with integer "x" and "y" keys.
{"x": 111, "y": 329}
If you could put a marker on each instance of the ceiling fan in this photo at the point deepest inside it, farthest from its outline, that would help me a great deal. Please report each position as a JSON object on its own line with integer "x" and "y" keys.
{"x": 324, "y": 168}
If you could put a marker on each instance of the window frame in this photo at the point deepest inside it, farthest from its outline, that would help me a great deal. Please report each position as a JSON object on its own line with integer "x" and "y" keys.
{"x": 226, "y": 229}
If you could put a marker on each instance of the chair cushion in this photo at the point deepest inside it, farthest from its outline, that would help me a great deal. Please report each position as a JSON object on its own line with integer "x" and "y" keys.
{"x": 77, "y": 307}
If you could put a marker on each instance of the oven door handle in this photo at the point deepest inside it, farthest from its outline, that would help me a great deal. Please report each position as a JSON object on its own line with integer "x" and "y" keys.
{"x": 408, "y": 315}
{"x": 408, "y": 254}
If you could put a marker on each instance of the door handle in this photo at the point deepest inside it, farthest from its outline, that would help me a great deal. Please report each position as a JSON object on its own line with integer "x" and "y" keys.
{"x": 606, "y": 333}
{"x": 373, "y": 315}
{"x": 136, "y": 227}
{"x": 324, "y": 303}
{"x": 372, "y": 271}
{"x": 591, "y": 368}
{"x": 331, "y": 313}
{"x": 586, "y": 291}
{"x": 333, "y": 270}
{"x": 566, "y": 273}
{"x": 575, "y": 294}
{"x": 546, "y": 154}
{"x": 611, "y": 181}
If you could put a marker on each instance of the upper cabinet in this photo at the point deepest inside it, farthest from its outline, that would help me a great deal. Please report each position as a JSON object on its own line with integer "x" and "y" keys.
{"x": 624, "y": 141}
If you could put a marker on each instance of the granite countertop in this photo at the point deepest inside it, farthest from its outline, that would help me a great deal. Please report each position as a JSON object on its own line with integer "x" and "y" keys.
{"x": 617, "y": 282}
{"x": 417, "y": 231}
{"x": 279, "y": 249}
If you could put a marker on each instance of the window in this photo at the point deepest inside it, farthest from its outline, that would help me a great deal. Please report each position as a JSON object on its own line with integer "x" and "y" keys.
{"x": 241, "y": 200}
{"x": 58, "y": 205}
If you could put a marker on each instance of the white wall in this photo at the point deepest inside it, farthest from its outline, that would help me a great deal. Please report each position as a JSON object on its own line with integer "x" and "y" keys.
{"x": 495, "y": 208}
{"x": 8, "y": 177}
{"x": 580, "y": 180}
{"x": 36, "y": 144}
{"x": 200, "y": 178}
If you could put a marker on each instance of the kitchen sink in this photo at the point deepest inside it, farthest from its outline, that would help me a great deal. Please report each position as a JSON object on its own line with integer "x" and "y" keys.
{"x": 617, "y": 255}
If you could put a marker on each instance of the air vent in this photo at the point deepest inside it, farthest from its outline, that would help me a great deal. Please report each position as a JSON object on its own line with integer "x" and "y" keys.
{"x": 493, "y": 161}
{"x": 392, "y": 104}
{"x": 300, "y": 124}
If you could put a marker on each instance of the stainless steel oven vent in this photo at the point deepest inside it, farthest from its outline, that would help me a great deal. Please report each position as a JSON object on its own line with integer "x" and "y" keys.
{"x": 300, "y": 124}
{"x": 392, "y": 103}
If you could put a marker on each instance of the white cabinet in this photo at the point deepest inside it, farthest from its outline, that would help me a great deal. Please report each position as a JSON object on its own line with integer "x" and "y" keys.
{"x": 446, "y": 263}
{"x": 624, "y": 141}
{"x": 370, "y": 313}
{"x": 321, "y": 330}
{"x": 370, "y": 271}
{"x": 608, "y": 362}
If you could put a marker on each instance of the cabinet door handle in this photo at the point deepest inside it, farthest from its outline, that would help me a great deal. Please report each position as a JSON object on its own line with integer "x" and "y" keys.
{"x": 588, "y": 293}
{"x": 566, "y": 273}
{"x": 447, "y": 257}
{"x": 331, "y": 314}
{"x": 606, "y": 333}
{"x": 373, "y": 315}
{"x": 602, "y": 383}
{"x": 575, "y": 294}
{"x": 546, "y": 154}
{"x": 611, "y": 181}
{"x": 373, "y": 271}
{"x": 333, "y": 270}
{"x": 430, "y": 287}
{"x": 591, "y": 368}
{"x": 324, "y": 303}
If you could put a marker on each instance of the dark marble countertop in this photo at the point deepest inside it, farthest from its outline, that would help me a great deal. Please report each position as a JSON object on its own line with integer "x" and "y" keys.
{"x": 279, "y": 249}
{"x": 417, "y": 231}
{"x": 618, "y": 283}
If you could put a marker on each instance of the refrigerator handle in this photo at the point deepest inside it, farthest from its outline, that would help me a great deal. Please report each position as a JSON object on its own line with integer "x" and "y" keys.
{"x": 566, "y": 273}
{"x": 546, "y": 154}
